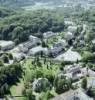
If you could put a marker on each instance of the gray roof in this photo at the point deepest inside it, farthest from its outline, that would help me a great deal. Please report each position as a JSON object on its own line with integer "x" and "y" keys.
{"x": 37, "y": 49}
{"x": 70, "y": 95}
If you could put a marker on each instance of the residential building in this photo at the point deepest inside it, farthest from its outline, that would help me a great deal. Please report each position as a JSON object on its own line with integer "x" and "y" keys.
{"x": 23, "y": 49}
{"x": 61, "y": 42}
{"x": 69, "y": 23}
{"x": 18, "y": 56}
{"x": 68, "y": 36}
{"x": 73, "y": 72}
{"x": 56, "y": 50}
{"x": 69, "y": 55}
{"x": 72, "y": 29}
{"x": 34, "y": 39}
{"x": 38, "y": 50}
{"x": 78, "y": 94}
{"x": 49, "y": 34}
{"x": 6, "y": 45}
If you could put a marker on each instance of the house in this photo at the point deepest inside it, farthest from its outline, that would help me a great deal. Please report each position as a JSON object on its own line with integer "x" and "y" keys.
{"x": 18, "y": 56}
{"x": 55, "y": 50}
{"x": 38, "y": 50}
{"x": 61, "y": 42}
{"x": 69, "y": 23}
{"x": 93, "y": 41}
{"x": 69, "y": 55}
{"x": 6, "y": 45}
{"x": 49, "y": 34}
{"x": 72, "y": 29}
{"x": 34, "y": 39}
{"x": 68, "y": 36}
{"x": 73, "y": 72}
{"x": 29, "y": 44}
{"x": 23, "y": 49}
{"x": 78, "y": 94}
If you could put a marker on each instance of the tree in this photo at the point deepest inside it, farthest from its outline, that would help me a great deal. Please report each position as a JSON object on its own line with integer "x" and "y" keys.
{"x": 62, "y": 84}
{"x": 91, "y": 92}
{"x": 29, "y": 94}
{"x": 5, "y": 59}
{"x": 84, "y": 83}
{"x": 10, "y": 56}
{"x": 1, "y": 63}
{"x": 8, "y": 76}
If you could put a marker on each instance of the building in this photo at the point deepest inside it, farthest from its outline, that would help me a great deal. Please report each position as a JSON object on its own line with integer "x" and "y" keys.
{"x": 49, "y": 34}
{"x": 69, "y": 55}
{"x": 61, "y": 42}
{"x": 29, "y": 44}
{"x": 56, "y": 50}
{"x": 69, "y": 23}
{"x": 23, "y": 49}
{"x": 72, "y": 29}
{"x": 6, "y": 45}
{"x": 68, "y": 36}
{"x": 73, "y": 72}
{"x": 73, "y": 95}
{"x": 93, "y": 41}
{"x": 38, "y": 50}
{"x": 18, "y": 56}
{"x": 34, "y": 39}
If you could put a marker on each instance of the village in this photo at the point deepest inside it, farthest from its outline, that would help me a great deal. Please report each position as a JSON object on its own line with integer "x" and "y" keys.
{"x": 57, "y": 47}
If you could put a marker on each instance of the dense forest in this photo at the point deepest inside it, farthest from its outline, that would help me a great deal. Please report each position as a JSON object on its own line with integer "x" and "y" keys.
{"x": 18, "y": 26}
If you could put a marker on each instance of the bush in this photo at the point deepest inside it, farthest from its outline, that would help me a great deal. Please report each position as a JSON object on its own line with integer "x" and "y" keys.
{"x": 61, "y": 84}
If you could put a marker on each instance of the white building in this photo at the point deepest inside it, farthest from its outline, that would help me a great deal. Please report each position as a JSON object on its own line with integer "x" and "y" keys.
{"x": 6, "y": 45}
{"x": 72, "y": 29}
{"x": 93, "y": 41}
{"x": 68, "y": 36}
{"x": 22, "y": 48}
{"x": 70, "y": 55}
{"x": 73, "y": 71}
{"x": 37, "y": 50}
{"x": 49, "y": 34}
{"x": 73, "y": 95}
{"x": 18, "y": 56}
{"x": 34, "y": 39}
{"x": 64, "y": 42}
{"x": 69, "y": 23}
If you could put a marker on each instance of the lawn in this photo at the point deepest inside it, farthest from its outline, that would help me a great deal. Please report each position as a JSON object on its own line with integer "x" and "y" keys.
{"x": 16, "y": 90}
{"x": 31, "y": 69}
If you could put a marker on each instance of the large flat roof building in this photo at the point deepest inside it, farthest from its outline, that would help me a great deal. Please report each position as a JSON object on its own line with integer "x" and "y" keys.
{"x": 6, "y": 45}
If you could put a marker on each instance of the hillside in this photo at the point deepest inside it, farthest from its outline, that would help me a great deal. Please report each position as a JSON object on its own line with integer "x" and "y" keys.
{"x": 19, "y": 3}
{"x": 4, "y": 12}
{"x": 27, "y": 23}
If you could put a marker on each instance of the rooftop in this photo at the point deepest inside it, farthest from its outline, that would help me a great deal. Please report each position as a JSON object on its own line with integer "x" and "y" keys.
{"x": 5, "y": 43}
{"x": 69, "y": 56}
{"x": 73, "y": 95}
